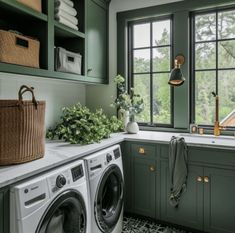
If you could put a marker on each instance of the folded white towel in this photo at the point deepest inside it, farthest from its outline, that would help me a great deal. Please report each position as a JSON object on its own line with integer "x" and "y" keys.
{"x": 60, "y": 5}
{"x": 64, "y": 14}
{"x": 67, "y": 23}
{"x": 69, "y": 2}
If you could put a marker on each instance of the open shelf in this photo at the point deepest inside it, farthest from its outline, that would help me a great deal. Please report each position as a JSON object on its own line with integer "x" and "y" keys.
{"x": 14, "y": 8}
{"x": 24, "y": 70}
{"x": 64, "y": 31}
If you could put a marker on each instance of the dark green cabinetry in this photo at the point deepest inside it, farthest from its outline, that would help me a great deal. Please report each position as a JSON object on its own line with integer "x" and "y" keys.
{"x": 97, "y": 39}
{"x": 90, "y": 41}
{"x": 209, "y": 201}
{"x": 219, "y": 200}
{"x": 4, "y": 211}
{"x": 141, "y": 179}
{"x": 190, "y": 210}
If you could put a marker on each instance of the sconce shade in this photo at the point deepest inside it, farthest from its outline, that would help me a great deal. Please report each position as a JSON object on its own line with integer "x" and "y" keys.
{"x": 176, "y": 76}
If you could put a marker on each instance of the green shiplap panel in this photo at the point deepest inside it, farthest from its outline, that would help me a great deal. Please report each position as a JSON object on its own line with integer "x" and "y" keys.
{"x": 219, "y": 201}
{"x": 143, "y": 187}
{"x": 190, "y": 210}
{"x": 1, "y": 212}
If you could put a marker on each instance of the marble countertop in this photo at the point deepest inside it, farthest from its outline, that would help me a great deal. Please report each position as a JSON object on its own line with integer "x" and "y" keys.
{"x": 59, "y": 153}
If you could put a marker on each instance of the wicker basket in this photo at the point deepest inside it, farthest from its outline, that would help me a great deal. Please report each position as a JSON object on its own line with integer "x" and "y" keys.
{"x": 22, "y": 134}
{"x": 34, "y": 4}
{"x": 18, "y": 49}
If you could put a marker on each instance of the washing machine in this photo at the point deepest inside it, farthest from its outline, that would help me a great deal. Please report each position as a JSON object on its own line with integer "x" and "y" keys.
{"x": 106, "y": 183}
{"x": 55, "y": 202}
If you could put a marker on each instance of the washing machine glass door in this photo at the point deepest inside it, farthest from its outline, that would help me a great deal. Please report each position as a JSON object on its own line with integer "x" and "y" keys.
{"x": 67, "y": 214}
{"x": 109, "y": 199}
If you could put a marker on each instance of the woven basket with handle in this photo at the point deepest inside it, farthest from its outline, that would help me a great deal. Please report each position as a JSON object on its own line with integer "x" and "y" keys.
{"x": 22, "y": 132}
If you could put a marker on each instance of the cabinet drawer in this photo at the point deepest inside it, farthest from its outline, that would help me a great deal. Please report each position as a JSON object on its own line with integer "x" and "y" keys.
{"x": 143, "y": 151}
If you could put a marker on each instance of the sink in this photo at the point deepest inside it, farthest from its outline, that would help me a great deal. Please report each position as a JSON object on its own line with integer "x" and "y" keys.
{"x": 209, "y": 139}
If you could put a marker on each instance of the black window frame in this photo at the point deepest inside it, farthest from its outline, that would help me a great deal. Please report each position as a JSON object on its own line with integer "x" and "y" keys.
{"x": 130, "y": 64}
{"x": 192, "y": 60}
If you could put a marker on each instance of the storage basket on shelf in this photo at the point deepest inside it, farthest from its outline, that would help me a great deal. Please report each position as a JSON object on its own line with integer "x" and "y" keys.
{"x": 67, "y": 61}
{"x": 19, "y": 49}
{"x": 22, "y": 132}
{"x": 34, "y": 4}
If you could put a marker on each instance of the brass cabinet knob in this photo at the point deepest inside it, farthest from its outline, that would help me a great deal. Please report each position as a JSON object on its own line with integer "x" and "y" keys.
{"x": 151, "y": 168}
{"x": 199, "y": 179}
{"x": 142, "y": 151}
{"x": 206, "y": 179}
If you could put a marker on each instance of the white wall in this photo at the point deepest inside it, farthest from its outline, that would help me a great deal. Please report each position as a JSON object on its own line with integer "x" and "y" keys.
{"x": 56, "y": 93}
{"x": 102, "y": 96}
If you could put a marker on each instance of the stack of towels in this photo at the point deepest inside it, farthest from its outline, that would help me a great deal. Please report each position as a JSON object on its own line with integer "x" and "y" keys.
{"x": 65, "y": 13}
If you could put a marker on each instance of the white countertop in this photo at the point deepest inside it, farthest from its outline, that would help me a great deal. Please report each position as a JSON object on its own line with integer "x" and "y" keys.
{"x": 58, "y": 153}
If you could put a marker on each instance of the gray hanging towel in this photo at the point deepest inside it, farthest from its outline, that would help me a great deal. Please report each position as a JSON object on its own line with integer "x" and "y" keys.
{"x": 178, "y": 159}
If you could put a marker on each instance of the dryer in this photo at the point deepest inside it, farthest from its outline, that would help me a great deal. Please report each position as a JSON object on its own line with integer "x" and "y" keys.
{"x": 54, "y": 202}
{"x": 106, "y": 182}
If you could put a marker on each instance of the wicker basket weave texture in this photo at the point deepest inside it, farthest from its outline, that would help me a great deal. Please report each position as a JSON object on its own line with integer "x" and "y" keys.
{"x": 34, "y": 4}
{"x": 22, "y": 133}
{"x": 26, "y": 54}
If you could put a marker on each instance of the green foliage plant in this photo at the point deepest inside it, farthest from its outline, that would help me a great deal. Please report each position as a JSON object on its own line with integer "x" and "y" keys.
{"x": 132, "y": 102}
{"x": 78, "y": 125}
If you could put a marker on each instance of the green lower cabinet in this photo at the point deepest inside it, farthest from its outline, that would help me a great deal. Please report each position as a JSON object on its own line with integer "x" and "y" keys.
{"x": 144, "y": 187}
{"x": 4, "y": 211}
{"x": 219, "y": 200}
{"x": 190, "y": 210}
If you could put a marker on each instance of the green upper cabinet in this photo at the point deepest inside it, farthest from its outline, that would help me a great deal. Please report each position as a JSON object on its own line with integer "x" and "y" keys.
{"x": 190, "y": 210}
{"x": 219, "y": 200}
{"x": 97, "y": 39}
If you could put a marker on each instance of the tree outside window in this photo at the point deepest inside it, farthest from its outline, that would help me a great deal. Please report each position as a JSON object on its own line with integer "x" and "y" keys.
{"x": 150, "y": 54}
{"x": 214, "y": 66}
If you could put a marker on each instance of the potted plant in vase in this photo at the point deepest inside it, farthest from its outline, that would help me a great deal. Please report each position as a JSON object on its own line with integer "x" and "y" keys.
{"x": 129, "y": 104}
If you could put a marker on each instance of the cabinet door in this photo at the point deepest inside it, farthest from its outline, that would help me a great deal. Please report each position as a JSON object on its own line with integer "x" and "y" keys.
{"x": 190, "y": 210}
{"x": 219, "y": 200}
{"x": 97, "y": 39}
{"x": 143, "y": 186}
{"x": 127, "y": 167}
{"x": 4, "y": 211}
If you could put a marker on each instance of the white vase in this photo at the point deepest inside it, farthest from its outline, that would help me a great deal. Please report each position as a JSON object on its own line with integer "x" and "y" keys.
{"x": 132, "y": 127}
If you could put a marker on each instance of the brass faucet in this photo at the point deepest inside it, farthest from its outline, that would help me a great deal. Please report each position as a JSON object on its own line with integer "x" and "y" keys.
{"x": 217, "y": 127}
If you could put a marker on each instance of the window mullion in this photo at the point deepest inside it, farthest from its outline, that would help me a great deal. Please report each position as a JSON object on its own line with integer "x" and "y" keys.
{"x": 217, "y": 53}
{"x": 151, "y": 72}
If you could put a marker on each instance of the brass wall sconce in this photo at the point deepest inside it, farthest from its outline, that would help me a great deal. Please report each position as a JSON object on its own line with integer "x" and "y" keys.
{"x": 176, "y": 76}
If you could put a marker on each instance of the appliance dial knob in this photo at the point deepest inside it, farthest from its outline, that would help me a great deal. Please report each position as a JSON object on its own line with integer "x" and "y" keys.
{"x": 60, "y": 181}
{"x": 108, "y": 158}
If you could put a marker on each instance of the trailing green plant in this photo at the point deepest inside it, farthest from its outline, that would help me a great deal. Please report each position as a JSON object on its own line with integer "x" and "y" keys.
{"x": 78, "y": 125}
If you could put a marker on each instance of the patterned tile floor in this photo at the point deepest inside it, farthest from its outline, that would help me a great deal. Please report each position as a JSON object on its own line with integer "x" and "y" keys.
{"x": 137, "y": 225}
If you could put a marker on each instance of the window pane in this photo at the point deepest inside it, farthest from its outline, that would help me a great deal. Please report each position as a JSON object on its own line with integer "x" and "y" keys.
{"x": 205, "y": 27}
{"x": 205, "y": 56}
{"x": 161, "y": 59}
{"x": 226, "y": 56}
{"x": 142, "y": 87}
{"x": 161, "y": 33}
{"x": 141, "y": 60}
{"x": 142, "y": 35}
{"x": 205, "y": 83}
{"x": 226, "y": 24}
{"x": 161, "y": 99}
{"x": 227, "y": 97}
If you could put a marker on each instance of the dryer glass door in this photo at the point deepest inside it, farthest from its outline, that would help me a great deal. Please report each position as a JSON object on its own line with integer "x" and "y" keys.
{"x": 67, "y": 214}
{"x": 109, "y": 199}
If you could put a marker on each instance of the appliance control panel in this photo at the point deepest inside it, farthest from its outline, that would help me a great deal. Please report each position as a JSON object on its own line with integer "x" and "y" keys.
{"x": 77, "y": 172}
